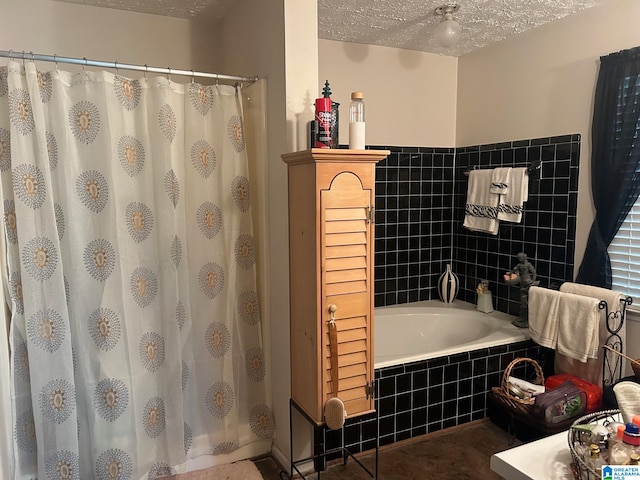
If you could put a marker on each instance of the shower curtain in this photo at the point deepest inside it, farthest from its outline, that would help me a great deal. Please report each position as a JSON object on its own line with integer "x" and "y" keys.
{"x": 128, "y": 267}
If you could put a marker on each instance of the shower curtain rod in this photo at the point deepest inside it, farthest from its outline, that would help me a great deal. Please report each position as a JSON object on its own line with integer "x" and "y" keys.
{"x": 125, "y": 66}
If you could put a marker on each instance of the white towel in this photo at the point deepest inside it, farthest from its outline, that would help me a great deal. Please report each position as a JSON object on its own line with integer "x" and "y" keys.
{"x": 481, "y": 209}
{"x": 511, "y": 204}
{"x": 500, "y": 180}
{"x": 591, "y": 371}
{"x": 611, "y": 297}
{"x": 565, "y": 322}
{"x": 578, "y": 326}
{"x": 543, "y": 316}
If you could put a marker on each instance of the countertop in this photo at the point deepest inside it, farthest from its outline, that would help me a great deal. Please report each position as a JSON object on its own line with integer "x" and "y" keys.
{"x": 544, "y": 459}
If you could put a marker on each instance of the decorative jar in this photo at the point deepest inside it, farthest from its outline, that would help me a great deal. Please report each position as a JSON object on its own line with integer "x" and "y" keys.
{"x": 448, "y": 285}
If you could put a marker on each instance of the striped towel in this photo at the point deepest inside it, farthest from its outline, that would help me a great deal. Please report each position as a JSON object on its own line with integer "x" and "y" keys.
{"x": 481, "y": 209}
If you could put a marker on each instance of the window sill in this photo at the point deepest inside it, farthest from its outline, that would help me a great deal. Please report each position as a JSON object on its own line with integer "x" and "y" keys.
{"x": 633, "y": 314}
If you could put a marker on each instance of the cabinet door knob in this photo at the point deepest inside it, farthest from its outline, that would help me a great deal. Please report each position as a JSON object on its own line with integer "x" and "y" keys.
{"x": 332, "y": 312}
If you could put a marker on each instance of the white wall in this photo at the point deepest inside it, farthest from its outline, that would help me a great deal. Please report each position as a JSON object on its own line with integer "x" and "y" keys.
{"x": 278, "y": 41}
{"x": 410, "y": 96}
{"x": 74, "y": 30}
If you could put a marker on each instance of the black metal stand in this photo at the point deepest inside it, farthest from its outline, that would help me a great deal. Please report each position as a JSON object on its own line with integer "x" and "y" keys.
{"x": 612, "y": 364}
{"x": 319, "y": 459}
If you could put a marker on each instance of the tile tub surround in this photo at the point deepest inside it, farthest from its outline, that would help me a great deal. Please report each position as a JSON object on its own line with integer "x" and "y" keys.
{"x": 414, "y": 223}
{"x": 547, "y": 231}
{"x": 422, "y": 397}
{"x": 420, "y": 199}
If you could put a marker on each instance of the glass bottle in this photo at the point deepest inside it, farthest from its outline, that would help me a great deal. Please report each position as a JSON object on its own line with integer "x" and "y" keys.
{"x": 615, "y": 434}
{"x": 356, "y": 121}
{"x": 620, "y": 452}
{"x": 595, "y": 460}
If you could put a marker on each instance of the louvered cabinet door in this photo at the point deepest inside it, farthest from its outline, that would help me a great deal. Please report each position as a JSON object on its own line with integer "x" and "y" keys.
{"x": 331, "y": 263}
{"x": 346, "y": 277}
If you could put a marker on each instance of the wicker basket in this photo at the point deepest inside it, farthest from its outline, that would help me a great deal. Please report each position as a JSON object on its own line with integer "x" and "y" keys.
{"x": 579, "y": 467}
{"x": 522, "y": 405}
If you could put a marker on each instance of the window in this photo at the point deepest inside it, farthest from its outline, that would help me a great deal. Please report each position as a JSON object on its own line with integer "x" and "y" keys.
{"x": 624, "y": 253}
{"x": 624, "y": 250}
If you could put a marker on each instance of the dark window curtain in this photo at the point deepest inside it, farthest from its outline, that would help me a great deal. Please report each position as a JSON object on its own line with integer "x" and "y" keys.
{"x": 615, "y": 159}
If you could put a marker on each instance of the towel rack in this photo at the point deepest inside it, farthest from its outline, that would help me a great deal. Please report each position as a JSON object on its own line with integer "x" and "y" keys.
{"x": 612, "y": 366}
{"x": 532, "y": 169}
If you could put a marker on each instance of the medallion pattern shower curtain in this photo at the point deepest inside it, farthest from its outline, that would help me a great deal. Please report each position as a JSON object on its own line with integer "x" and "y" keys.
{"x": 128, "y": 265}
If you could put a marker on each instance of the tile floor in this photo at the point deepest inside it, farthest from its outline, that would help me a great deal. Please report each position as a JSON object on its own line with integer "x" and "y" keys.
{"x": 457, "y": 453}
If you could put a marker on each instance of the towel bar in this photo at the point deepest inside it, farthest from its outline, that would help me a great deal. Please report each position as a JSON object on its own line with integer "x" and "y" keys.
{"x": 532, "y": 169}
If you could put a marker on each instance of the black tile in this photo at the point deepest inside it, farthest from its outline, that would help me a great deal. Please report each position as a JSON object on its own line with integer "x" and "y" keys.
{"x": 419, "y": 398}
{"x": 391, "y": 371}
{"x": 419, "y": 377}
{"x": 479, "y": 366}
{"x": 458, "y": 357}
{"x": 540, "y": 141}
{"x": 450, "y": 390}
{"x": 449, "y": 409}
{"x": 352, "y": 434}
{"x": 434, "y": 413}
{"x": 387, "y": 440}
{"x": 403, "y": 421}
{"x": 387, "y": 386}
{"x": 464, "y": 406}
{"x": 369, "y": 429}
{"x": 481, "y": 352}
{"x": 387, "y": 425}
{"x": 387, "y": 406}
{"x": 403, "y": 402}
{"x": 464, "y": 387}
{"x": 434, "y": 394}
{"x": 418, "y": 431}
{"x": 436, "y": 376}
{"x": 451, "y": 372}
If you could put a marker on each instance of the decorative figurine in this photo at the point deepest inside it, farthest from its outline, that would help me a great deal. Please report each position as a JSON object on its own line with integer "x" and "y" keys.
{"x": 524, "y": 275}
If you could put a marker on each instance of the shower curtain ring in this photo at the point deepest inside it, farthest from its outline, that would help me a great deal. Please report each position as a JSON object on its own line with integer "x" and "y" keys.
{"x": 10, "y": 54}
{"x": 168, "y": 73}
{"x": 23, "y": 55}
{"x": 116, "y": 66}
{"x": 55, "y": 60}
{"x": 193, "y": 76}
{"x": 146, "y": 69}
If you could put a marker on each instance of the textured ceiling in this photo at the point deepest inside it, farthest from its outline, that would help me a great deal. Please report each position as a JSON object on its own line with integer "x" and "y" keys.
{"x": 167, "y": 8}
{"x": 410, "y": 24}
{"x": 407, "y": 24}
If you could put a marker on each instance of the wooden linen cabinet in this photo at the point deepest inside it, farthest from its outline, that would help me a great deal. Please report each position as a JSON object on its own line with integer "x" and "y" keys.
{"x": 331, "y": 199}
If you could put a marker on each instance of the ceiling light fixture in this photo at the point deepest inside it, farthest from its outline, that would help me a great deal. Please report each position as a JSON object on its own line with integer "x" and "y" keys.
{"x": 447, "y": 32}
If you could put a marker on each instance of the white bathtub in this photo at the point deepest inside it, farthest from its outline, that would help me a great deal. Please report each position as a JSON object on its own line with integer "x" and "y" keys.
{"x": 418, "y": 331}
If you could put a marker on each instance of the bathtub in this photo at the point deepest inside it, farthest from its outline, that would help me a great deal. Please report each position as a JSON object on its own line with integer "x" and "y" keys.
{"x": 418, "y": 331}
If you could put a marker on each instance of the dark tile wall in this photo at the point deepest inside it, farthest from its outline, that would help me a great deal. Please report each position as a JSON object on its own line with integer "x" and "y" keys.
{"x": 414, "y": 222}
{"x": 547, "y": 231}
{"x": 420, "y": 199}
{"x": 426, "y": 396}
